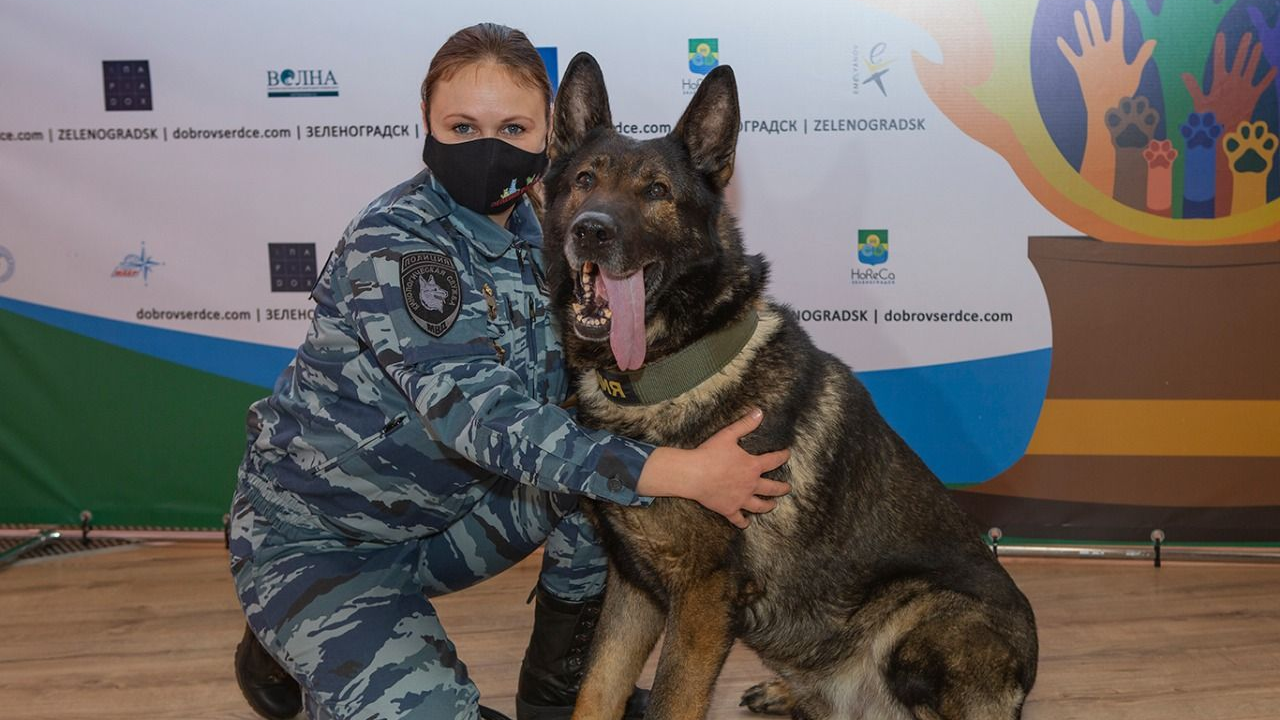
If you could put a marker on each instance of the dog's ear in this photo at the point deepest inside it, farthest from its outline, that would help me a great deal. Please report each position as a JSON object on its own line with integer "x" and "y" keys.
{"x": 709, "y": 126}
{"x": 582, "y": 105}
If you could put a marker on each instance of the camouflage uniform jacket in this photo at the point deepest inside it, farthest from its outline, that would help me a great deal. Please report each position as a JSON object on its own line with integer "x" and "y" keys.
{"x": 431, "y": 365}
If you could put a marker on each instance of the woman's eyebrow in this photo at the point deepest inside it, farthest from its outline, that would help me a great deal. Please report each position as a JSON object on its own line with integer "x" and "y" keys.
{"x": 468, "y": 118}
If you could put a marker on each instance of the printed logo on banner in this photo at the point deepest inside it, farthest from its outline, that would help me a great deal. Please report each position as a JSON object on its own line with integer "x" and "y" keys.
{"x": 873, "y": 247}
{"x": 873, "y": 250}
{"x": 7, "y": 264}
{"x": 301, "y": 83}
{"x": 127, "y": 84}
{"x": 136, "y": 264}
{"x": 550, "y": 58}
{"x": 871, "y": 68}
{"x": 704, "y": 55}
{"x": 293, "y": 266}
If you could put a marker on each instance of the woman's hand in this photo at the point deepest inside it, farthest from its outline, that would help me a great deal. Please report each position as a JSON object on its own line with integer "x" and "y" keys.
{"x": 718, "y": 474}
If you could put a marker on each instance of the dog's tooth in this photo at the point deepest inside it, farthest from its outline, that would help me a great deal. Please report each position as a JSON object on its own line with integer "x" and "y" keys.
{"x": 608, "y": 313}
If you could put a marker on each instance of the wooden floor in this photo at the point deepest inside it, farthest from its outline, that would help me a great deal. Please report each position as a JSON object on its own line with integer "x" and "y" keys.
{"x": 148, "y": 632}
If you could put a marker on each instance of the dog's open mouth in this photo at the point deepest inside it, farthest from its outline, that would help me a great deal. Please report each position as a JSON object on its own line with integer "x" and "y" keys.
{"x": 610, "y": 306}
{"x": 591, "y": 313}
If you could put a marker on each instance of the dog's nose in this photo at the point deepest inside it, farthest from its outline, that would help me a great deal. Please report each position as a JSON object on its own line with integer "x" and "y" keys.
{"x": 595, "y": 227}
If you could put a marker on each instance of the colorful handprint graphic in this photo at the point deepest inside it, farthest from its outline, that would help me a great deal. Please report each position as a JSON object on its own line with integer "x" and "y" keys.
{"x": 1231, "y": 98}
{"x": 1054, "y": 86}
{"x": 1183, "y": 31}
{"x": 1105, "y": 77}
{"x": 1269, "y": 39}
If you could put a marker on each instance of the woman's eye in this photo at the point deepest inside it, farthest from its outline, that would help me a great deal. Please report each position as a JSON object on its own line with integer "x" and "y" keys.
{"x": 513, "y": 129}
{"x": 463, "y": 129}
{"x": 658, "y": 191}
{"x": 585, "y": 180}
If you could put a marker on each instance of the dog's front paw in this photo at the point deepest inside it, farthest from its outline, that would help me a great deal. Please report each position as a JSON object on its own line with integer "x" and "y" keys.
{"x": 768, "y": 698}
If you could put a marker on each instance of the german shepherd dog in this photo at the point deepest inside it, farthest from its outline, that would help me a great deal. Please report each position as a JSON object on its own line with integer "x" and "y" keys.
{"x": 866, "y": 590}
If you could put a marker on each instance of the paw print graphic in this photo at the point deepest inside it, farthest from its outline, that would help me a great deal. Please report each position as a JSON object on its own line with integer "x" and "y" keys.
{"x": 1250, "y": 153}
{"x": 1132, "y": 122}
{"x": 1201, "y": 132}
{"x": 1250, "y": 148}
{"x": 1160, "y": 155}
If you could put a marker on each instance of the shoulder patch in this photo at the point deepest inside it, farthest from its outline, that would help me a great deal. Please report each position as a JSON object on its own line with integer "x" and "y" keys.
{"x": 432, "y": 290}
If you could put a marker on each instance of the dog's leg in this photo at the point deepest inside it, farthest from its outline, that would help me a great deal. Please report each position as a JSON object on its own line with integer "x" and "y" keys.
{"x": 698, "y": 640}
{"x": 768, "y": 698}
{"x": 630, "y": 623}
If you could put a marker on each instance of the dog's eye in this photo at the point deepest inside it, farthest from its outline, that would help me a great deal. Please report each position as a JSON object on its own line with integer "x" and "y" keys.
{"x": 658, "y": 191}
{"x": 585, "y": 180}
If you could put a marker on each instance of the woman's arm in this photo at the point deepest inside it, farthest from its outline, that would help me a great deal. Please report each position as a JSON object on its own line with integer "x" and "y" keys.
{"x": 473, "y": 403}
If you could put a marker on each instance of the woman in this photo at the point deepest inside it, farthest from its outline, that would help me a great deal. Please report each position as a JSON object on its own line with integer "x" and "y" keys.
{"x": 415, "y": 445}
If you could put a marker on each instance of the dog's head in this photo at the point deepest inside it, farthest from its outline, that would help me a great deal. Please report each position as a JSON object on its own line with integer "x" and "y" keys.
{"x": 642, "y": 257}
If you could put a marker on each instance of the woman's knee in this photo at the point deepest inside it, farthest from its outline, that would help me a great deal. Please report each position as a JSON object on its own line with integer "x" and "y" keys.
{"x": 510, "y": 522}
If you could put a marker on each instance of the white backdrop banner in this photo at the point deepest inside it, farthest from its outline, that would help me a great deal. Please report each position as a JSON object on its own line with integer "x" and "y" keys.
{"x": 172, "y": 174}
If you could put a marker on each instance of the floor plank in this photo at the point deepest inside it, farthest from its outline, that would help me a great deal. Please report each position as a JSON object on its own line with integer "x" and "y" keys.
{"x": 149, "y": 633}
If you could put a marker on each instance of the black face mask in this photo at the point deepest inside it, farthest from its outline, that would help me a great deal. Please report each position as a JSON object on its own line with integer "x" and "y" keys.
{"x": 487, "y": 175}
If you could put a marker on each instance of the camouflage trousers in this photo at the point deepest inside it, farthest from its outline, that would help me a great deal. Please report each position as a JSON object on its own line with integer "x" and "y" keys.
{"x": 350, "y": 618}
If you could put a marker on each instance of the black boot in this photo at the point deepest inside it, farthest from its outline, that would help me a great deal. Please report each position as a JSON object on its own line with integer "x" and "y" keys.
{"x": 271, "y": 692}
{"x": 556, "y": 660}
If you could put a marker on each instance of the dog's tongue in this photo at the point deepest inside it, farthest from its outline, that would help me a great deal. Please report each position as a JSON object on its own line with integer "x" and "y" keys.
{"x": 626, "y": 328}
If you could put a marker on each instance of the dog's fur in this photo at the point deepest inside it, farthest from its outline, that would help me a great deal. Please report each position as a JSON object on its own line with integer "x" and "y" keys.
{"x": 866, "y": 590}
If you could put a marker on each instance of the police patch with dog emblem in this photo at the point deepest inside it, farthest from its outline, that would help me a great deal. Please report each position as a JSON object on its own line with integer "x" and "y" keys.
{"x": 432, "y": 290}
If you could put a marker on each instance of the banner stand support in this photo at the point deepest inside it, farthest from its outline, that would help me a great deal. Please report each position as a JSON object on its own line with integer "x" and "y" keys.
{"x": 995, "y": 534}
{"x": 13, "y": 554}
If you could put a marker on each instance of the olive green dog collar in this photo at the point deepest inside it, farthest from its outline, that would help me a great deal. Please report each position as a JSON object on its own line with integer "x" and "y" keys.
{"x": 681, "y": 371}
